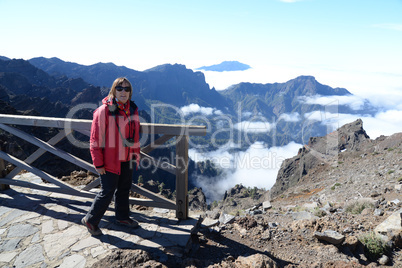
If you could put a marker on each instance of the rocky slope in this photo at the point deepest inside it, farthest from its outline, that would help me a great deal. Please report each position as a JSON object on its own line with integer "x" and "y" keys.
{"x": 335, "y": 215}
{"x": 321, "y": 151}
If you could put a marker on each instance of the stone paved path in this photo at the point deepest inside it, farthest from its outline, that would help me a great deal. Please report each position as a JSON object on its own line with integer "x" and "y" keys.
{"x": 43, "y": 229}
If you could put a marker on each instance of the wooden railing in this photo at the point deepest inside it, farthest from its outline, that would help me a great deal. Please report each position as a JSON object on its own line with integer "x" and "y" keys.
{"x": 67, "y": 126}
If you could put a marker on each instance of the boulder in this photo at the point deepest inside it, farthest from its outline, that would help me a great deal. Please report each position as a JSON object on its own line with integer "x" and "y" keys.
{"x": 378, "y": 212}
{"x": 330, "y": 236}
{"x": 266, "y": 205}
{"x": 392, "y": 223}
{"x": 383, "y": 260}
{"x": 197, "y": 200}
{"x": 214, "y": 214}
{"x": 256, "y": 261}
{"x": 351, "y": 242}
{"x": 303, "y": 215}
{"x": 226, "y": 219}
{"x": 312, "y": 205}
{"x": 208, "y": 223}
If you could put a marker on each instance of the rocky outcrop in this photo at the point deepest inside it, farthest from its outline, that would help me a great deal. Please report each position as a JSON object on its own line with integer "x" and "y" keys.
{"x": 197, "y": 200}
{"x": 320, "y": 151}
{"x": 256, "y": 260}
{"x": 128, "y": 258}
{"x": 88, "y": 95}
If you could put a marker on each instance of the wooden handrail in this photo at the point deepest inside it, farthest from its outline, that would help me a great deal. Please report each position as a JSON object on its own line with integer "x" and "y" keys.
{"x": 84, "y": 125}
{"x": 180, "y": 169}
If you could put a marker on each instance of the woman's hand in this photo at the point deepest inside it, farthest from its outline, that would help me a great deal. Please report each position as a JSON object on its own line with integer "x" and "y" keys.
{"x": 101, "y": 171}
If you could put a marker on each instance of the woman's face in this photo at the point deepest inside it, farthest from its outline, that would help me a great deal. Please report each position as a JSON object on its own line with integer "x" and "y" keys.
{"x": 122, "y": 95}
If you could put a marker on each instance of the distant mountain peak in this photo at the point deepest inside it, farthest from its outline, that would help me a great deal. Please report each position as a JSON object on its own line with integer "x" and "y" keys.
{"x": 167, "y": 66}
{"x": 227, "y": 66}
{"x": 310, "y": 82}
{"x": 4, "y": 58}
{"x": 305, "y": 77}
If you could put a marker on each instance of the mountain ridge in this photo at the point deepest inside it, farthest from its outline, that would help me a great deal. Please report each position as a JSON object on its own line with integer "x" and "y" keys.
{"x": 282, "y": 95}
{"x": 153, "y": 83}
{"x": 169, "y": 87}
{"x": 185, "y": 91}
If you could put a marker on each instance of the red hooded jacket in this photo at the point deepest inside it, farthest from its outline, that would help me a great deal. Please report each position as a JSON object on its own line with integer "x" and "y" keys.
{"x": 112, "y": 135}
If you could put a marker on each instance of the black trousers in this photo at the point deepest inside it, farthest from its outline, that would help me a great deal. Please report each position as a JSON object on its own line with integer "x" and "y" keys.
{"x": 113, "y": 185}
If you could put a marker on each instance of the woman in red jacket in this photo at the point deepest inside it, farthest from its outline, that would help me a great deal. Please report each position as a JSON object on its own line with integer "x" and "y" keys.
{"x": 114, "y": 145}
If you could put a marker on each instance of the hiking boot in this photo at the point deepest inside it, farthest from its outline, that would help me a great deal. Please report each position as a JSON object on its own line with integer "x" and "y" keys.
{"x": 92, "y": 229}
{"x": 129, "y": 223}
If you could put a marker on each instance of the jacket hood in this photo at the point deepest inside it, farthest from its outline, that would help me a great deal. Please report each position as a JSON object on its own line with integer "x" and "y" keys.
{"x": 107, "y": 101}
{"x": 112, "y": 105}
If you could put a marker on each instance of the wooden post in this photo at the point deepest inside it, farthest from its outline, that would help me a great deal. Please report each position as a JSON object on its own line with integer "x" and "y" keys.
{"x": 2, "y": 175}
{"x": 182, "y": 177}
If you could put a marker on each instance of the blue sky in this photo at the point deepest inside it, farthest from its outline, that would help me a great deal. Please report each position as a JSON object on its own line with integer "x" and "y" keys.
{"x": 351, "y": 44}
{"x": 142, "y": 34}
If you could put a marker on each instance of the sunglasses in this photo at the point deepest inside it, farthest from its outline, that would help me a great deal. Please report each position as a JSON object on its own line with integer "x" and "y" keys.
{"x": 126, "y": 89}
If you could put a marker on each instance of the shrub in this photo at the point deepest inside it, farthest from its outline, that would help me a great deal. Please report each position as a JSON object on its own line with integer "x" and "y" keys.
{"x": 161, "y": 187}
{"x": 140, "y": 180}
{"x": 374, "y": 246}
{"x": 319, "y": 213}
{"x": 335, "y": 185}
{"x": 254, "y": 192}
{"x": 358, "y": 206}
{"x": 214, "y": 204}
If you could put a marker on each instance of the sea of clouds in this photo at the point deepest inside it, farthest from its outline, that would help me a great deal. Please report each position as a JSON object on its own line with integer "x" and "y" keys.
{"x": 258, "y": 165}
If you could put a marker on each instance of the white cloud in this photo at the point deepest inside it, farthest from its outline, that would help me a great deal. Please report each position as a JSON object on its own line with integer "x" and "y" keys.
{"x": 292, "y": 117}
{"x": 392, "y": 116}
{"x": 354, "y": 102}
{"x": 258, "y": 166}
{"x": 221, "y": 157}
{"x": 195, "y": 108}
{"x": 383, "y": 123}
{"x": 247, "y": 114}
{"x": 390, "y": 100}
{"x": 322, "y": 116}
{"x": 254, "y": 126}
